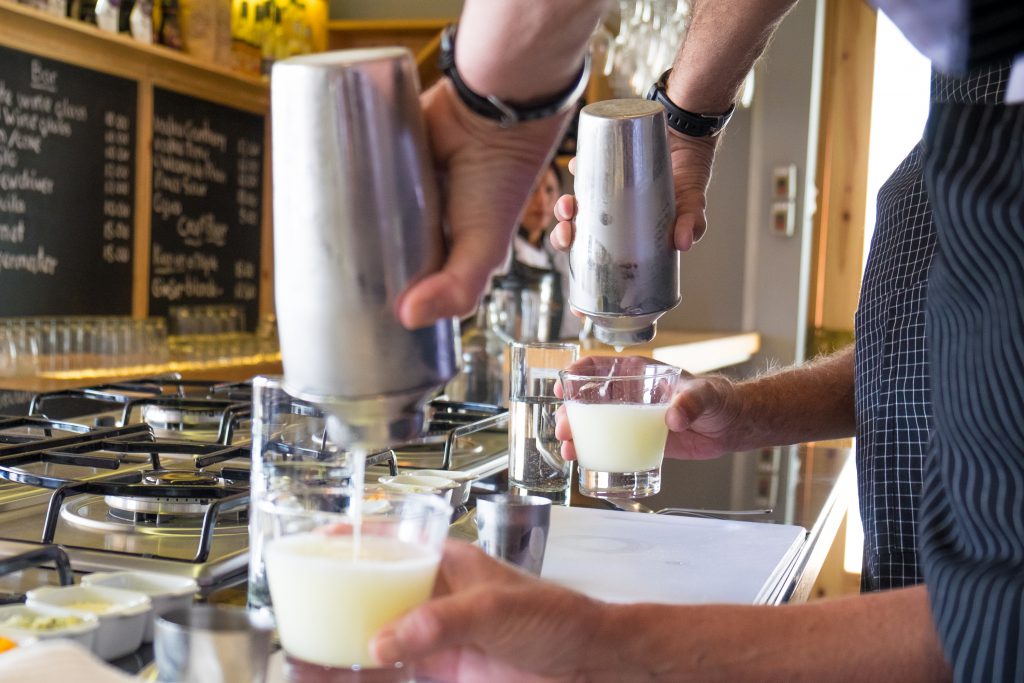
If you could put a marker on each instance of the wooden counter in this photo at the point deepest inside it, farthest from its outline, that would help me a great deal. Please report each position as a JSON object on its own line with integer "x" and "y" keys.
{"x": 695, "y": 352}
{"x": 215, "y": 369}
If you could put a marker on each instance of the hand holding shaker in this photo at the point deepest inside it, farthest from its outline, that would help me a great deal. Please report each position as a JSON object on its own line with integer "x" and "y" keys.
{"x": 357, "y": 219}
{"x": 624, "y": 269}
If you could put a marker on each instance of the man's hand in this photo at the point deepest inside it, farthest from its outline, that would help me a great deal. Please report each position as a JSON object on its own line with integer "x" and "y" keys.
{"x": 691, "y": 173}
{"x": 489, "y": 621}
{"x": 486, "y": 176}
{"x": 704, "y": 418}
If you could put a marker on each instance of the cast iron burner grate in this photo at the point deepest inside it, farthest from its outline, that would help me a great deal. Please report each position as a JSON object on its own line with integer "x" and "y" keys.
{"x": 195, "y": 409}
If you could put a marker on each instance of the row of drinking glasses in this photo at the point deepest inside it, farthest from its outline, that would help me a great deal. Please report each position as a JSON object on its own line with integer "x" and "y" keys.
{"x": 221, "y": 347}
{"x": 30, "y": 346}
{"x": 206, "y": 319}
{"x": 40, "y": 345}
{"x": 649, "y": 32}
{"x": 633, "y": 56}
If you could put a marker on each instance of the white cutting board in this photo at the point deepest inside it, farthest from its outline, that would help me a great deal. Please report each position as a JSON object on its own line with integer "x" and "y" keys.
{"x": 639, "y": 557}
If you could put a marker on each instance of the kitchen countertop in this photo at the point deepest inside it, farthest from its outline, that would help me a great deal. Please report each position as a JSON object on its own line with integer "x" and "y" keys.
{"x": 809, "y": 485}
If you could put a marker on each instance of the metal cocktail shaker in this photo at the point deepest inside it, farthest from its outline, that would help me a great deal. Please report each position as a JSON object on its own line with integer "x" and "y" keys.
{"x": 624, "y": 269}
{"x": 357, "y": 219}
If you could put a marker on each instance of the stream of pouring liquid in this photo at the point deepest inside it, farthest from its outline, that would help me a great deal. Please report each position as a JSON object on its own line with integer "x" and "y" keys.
{"x": 358, "y": 455}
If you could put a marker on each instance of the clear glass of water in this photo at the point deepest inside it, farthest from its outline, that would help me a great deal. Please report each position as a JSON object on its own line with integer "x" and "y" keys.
{"x": 616, "y": 409}
{"x": 291, "y": 453}
{"x": 535, "y": 459}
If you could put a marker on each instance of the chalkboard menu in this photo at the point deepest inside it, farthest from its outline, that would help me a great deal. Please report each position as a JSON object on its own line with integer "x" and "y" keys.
{"x": 67, "y": 203}
{"x": 207, "y": 196}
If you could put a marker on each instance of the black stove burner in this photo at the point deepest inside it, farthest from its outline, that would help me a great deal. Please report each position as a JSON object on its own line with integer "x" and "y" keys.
{"x": 162, "y": 519}
{"x": 110, "y": 428}
{"x": 158, "y": 509}
{"x": 181, "y": 478}
{"x": 217, "y": 504}
{"x": 200, "y": 410}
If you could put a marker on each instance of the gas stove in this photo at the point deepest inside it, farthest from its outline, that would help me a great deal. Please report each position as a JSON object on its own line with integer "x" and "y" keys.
{"x": 153, "y": 474}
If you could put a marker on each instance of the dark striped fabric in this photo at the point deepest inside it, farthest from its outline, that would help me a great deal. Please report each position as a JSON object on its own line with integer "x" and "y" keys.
{"x": 891, "y": 388}
{"x": 995, "y": 31}
{"x": 972, "y": 512}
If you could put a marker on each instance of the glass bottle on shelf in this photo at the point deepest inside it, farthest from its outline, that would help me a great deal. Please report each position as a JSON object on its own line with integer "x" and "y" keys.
{"x": 140, "y": 21}
{"x": 108, "y": 14}
{"x": 167, "y": 19}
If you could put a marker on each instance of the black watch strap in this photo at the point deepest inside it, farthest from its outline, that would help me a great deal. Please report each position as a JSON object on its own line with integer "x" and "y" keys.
{"x": 685, "y": 122}
{"x": 494, "y": 108}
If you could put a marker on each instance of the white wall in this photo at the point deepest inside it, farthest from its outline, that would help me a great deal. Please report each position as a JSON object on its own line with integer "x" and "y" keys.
{"x": 712, "y": 271}
{"x": 742, "y": 276}
{"x": 784, "y": 131}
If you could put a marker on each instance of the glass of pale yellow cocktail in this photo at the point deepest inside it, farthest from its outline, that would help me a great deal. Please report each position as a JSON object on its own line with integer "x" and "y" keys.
{"x": 616, "y": 409}
{"x": 336, "y": 575}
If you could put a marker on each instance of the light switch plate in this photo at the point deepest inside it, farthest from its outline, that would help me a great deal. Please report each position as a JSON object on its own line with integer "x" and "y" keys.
{"x": 783, "y": 218}
{"x": 784, "y": 183}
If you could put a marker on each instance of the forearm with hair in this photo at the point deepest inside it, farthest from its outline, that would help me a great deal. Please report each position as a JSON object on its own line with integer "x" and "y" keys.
{"x": 807, "y": 402}
{"x": 882, "y": 637}
{"x": 723, "y": 41}
{"x": 524, "y": 50}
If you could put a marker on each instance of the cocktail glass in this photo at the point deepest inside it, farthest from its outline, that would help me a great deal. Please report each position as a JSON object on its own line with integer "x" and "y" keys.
{"x": 334, "y": 583}
{"x": 616, "y": 408}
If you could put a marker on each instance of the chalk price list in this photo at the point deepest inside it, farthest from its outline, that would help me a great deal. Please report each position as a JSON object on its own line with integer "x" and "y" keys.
{"x": 117, "y": 188}
{"x": 249, "y": 187}
{"x": 207, "y": 204}
{"x": 67, "y": 179}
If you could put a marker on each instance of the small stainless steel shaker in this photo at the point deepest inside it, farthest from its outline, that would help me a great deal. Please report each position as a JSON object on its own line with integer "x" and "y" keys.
{"x": 357, "y": 219}
{"x": 514, "y": 528}
{"x": 624, "y": 269}
{"x": 211, "y": 644}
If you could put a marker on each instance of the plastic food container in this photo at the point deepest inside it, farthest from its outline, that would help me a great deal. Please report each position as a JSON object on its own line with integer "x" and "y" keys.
{"x": 122, "y": 622}
{"x": 83, "y": 633}
{"x": 416, "y": 483}
{"x": 463, "y": 479}
{"x": 165, "y": 591}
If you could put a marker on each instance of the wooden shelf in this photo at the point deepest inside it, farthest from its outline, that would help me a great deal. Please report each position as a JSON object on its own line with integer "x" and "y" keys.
{"x": 150, "y": 66}
{"x": 421, "y": 36}
{"x": 226, "y": 369}
{"x": 77, "y": 42}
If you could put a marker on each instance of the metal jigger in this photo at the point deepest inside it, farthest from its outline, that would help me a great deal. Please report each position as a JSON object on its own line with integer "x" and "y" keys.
{"x": 514, "y": 528}
{"x": 357, "y": 219}
{"x": 624, "y": 269}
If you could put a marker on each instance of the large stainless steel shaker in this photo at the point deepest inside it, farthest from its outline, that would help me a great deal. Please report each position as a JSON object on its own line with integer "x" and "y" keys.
{"x": 624, "y": 269}
{"x": 357, "y": 219}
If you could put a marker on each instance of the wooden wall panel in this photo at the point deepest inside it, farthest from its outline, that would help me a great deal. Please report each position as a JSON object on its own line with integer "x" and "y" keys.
{"x": 838, "y": 241}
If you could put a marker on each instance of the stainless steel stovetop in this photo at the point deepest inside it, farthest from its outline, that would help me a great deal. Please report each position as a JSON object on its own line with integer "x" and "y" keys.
{"x": 153, "y": 474}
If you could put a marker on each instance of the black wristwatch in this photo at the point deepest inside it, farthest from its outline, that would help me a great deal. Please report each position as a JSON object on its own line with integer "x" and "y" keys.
{"x": 685, "y": 122}
{"x": 492, "y": 107}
